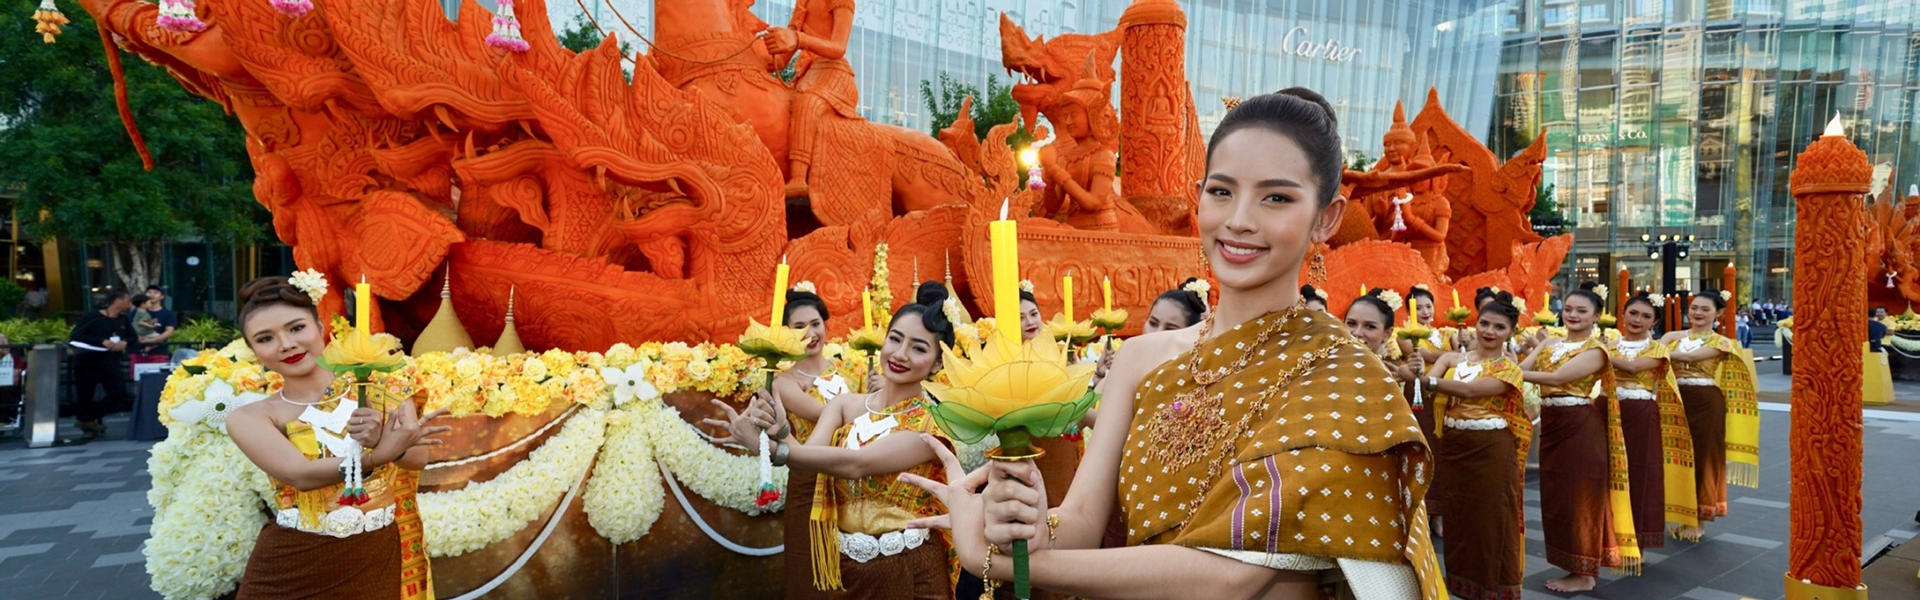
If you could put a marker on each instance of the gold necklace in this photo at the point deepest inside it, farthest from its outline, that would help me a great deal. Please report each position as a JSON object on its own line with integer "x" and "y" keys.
{"x": 1192, "y": 426}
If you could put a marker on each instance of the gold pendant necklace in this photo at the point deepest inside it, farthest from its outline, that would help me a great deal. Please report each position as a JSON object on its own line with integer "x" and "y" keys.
{"x": 1194, "y": 424}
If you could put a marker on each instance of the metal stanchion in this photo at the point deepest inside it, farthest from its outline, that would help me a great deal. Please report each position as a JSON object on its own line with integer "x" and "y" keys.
{"x": 40, "y": 418}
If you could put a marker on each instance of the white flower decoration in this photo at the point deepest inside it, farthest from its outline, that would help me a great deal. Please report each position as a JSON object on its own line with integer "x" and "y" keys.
{"x": 189, "y": 412}
{"x": 1198, "y": 286}
{"x": 1520, "y": 303}
{"x": 1026, "y": 286}
{"x": 1600, "y": 290}
{"x": 1320, "y": 292}
{"x": 1420, "y": 286}
{"x": 1726, "y": 295}
{"x": 222, "y": 400}
{"x": 952, "y": 309}
{"x": 1656, "y": 300}
{"x": 1393, "y": 299}
{"x": 629, "y": 383}
{"x": 311, "y": 282}
{"x": 805, "y": 286}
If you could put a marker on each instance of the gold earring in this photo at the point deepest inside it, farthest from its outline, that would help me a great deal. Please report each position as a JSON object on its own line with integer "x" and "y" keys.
{"x": 1317, "y": 272}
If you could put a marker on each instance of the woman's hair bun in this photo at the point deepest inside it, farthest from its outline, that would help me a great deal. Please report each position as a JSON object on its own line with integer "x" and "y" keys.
{"x": 930, "y": 292}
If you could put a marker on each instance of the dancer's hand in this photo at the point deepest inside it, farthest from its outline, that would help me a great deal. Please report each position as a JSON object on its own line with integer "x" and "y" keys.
{"x": 961, "y": 495}
{"x": 1016, "y": 504}
{"x": 741, "y": 428}
{"x": 405, "y": 432}
{"x": 365, "y": 427}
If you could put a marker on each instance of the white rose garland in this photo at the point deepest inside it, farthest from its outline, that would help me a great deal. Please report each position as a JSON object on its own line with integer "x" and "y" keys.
{"x": 625, "y": 496}
{"x": 484, "y": 513}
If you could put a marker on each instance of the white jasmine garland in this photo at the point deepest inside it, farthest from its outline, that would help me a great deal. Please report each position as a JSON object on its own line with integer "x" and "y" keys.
{"x": 206, "y": 513}
{"x": 484, "y": 513}
{"x": 311, "y": 282}
{"x": 625, "y": 496}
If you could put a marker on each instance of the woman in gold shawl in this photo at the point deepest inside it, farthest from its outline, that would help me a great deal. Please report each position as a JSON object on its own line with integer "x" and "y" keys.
{"x": 1653, "y": 421}
{"x": 859, "y": 529}
{"x": 1583, "y": 458}
{"x": 1483, "y": 439}
{"x": 1716, "y": 385}
{"x": 324, "y": 542}
{"x": 1269, "y": 454}
{"x": 804, "y": 390}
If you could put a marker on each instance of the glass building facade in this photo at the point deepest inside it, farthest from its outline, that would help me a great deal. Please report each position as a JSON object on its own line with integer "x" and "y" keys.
{"x": 1684, "y": 118}
{"x": 1234, "y": 48}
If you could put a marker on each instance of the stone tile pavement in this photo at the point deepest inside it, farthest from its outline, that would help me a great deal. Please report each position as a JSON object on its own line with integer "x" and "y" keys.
{"x": 73, "y": 520}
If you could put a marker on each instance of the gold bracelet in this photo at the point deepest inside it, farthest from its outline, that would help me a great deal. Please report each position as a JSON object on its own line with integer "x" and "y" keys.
{"x": 1053, "y": 526}
{"x": 986, "y": 580}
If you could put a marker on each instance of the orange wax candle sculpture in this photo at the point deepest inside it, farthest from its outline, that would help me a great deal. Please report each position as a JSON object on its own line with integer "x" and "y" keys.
{"x": 1625, "y": 293}
{"x": 1829, "y": 288}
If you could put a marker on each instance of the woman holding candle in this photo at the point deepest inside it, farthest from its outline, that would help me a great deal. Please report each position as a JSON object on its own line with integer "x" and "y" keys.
{"x": 1421, "y": 309}
{"x": 1717, "y": 389}
{"x": 861, "y": 445}
{"x": 1580, "y": 441}
{"x": 319, "y": 544}
{"x": 1484, "y": 440}
{"x": 1222, "y": 411}
{"x": 1030, "y": 322}
{"x": 803, "y": 391}
{"x": 1659, "y": 457}
{"x": 1313, "y": 298}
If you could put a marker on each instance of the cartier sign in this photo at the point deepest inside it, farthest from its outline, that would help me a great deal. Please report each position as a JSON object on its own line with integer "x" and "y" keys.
{"x": 1299, "y": 42}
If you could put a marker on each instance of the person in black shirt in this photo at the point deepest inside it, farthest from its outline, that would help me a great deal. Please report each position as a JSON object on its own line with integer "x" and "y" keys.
{"x": 99, "y": 341}
{"x": 1876, "y": 329}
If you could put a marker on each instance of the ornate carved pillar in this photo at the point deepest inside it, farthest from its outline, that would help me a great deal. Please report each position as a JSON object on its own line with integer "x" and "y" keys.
{"x": 1829, "y": 298}
{"x": 1154, "y": 105}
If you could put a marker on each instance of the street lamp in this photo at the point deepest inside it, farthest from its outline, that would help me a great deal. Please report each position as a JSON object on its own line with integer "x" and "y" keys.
{"x": 1669, "y": 250}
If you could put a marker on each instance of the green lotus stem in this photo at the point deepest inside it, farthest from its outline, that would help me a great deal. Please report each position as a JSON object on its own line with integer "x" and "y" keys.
{"x": 1018, "y": 442}
{"x": 360, "y": 393}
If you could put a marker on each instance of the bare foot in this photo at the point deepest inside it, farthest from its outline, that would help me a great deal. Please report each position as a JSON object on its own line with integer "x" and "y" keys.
{"x": 1571, "y": 583}
{"x": 1689, "y": 533}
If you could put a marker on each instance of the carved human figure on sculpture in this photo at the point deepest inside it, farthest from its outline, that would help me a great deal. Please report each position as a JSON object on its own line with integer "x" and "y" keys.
{"x": 823, "y": 83}
{"x": 1420, "y": 218}
{"x": 1079, "y": 163}
{"x": 1376, "y": 189}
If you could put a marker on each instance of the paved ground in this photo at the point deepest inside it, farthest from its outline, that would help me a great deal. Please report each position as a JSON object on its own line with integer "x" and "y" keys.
{"x": 72, "y": 521}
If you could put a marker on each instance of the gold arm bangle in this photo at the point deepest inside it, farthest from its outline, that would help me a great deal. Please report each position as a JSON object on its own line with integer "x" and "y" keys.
{"x": 1053, "y": 526}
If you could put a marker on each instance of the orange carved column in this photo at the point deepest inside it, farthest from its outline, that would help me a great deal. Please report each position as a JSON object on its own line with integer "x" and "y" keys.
{"x": 1829, "y": 297}
{"x": 1728, "y": 281}
{"x": 1153, "y": 110}
{"x": 1625, "y": 292}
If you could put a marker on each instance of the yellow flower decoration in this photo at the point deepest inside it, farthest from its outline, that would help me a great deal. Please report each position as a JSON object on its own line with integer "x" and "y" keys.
{"x": 866, "y": 339}
{"x": 1110, "y": 319}
{"x": 1074, "y": 333}
{"x": 361, "y": 354}
{"x": 1003, "y": 386}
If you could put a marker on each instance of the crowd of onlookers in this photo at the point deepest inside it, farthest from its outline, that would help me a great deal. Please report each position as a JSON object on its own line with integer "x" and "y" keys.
{"x": 1768, "y": 311}
{"x": 99, "y": 346}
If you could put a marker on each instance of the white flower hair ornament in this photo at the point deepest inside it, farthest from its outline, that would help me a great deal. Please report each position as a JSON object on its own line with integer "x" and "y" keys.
{"x": 805, "y": 286}
{"x": 1026, "y": 286}
{"x": 1726, "y": 295}
{"x": 311, "y": 282}
{"x": 954, "y": 312}
{"x": 1520, "y": 303}
{"x": 1601, "y": 291}
{"x": 1320, "y": 292}
{"x": 1657, "y": 300}
{"x": 1198, "y": 286}
{"x": 1392, "y": 298}
{"x": 1422, "y": 287}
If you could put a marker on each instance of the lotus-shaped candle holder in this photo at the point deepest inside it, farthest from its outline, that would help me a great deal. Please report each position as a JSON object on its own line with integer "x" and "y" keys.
{"x": 1458, "y": 314}
{"x": 358, "y": 355}
{"x": 866, "y": 340}
{"x": 1414, "y": 331}
{"x": 1110, "y": 319}
{"x": 774, "y": 345}
{"x": 1545, "y": 317}
{"x": 1071, "y": 333}
{"x": 1019, "y": 391}
{"x": 1607, "y": 320}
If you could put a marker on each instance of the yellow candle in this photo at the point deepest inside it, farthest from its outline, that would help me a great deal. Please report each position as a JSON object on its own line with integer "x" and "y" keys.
{"x": 1066, "y": 295}
{"x": 779, "y": 293}
{"x": 1004, "y": 236}
{"x": 1106, "y": 293}
{"x": 866, "y": 309}
{"x": 1546, "y": 302}
{"x": 1363, "y": 289}
{"x": 1456, "y": 298}
{"x": 362, "y": 305}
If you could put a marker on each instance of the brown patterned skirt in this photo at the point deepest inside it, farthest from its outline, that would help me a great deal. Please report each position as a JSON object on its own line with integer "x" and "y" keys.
{"x": 1573, "y": 486}
{"x": 917, "y": 574}
{"x": 1423, "y": 414}
{"x": 1484, "y": 545}
{"x": 1707, "y": 421}
{"x": 798, "y": 558}
{"x": 287, "y": 564}
{"x": 1646, "y": 473}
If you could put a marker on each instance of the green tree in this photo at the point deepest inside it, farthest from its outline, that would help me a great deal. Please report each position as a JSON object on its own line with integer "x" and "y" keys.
{"x": 62, "y": 142}
{"x": 582, "y": 35}
{"x": 992, "y": 108}
{"x": 1545, "y": 215}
